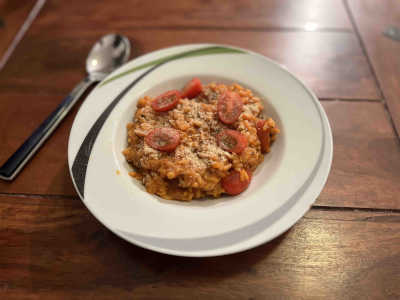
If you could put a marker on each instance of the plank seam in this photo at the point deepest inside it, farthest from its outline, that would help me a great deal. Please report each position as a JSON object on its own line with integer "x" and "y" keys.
{"x": 372, "y": 69}
{"x": 314, "y": 207}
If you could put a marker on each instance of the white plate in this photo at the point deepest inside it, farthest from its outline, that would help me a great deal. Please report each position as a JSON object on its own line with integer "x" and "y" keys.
{"x": 212, "y": 227}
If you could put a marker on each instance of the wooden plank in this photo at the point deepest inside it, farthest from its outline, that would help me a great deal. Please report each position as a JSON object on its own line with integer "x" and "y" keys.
{"x": 366, "y": 160}
{"x": 321, "y": 59}
{"x": 54, "y": 249}
{"x": 254, "y": 14}
{"x": 12, "y": 16}
{"x": 372, "y": 17}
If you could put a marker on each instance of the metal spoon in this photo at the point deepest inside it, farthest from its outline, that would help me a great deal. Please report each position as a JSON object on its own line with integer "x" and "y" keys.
{"x": 110, "y": 52}
{"x": 393, "y": 32}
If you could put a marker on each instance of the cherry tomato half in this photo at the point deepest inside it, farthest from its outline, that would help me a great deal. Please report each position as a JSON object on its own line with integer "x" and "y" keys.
{"x": 232, "y": 141}
{"x": 229, "y": 107}
{"x": 163, "y": 139}
{"x": 263, "y": 135}
{"x": 192, "y": 88}
{"x": 233, "y": 185}
{"x": 166, "y": 101}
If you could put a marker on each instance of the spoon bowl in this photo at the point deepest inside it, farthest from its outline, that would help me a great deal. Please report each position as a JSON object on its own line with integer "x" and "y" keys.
{"x": 110, "y": 52}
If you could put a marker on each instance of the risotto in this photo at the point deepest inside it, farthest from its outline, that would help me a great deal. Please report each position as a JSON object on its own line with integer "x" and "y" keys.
{"x": 201, "y": 141}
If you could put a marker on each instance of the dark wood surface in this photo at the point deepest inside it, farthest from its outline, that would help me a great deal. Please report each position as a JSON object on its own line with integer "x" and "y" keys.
{"x": 321, "y": 59}
{"x": 12, "y": 16}
{"x": 366, "y": 160}
{"x": 372, "y": 18}
{"x": 54, "y": 248}
{"x": 226, "y": 14}
{"x": 346, "y": 247}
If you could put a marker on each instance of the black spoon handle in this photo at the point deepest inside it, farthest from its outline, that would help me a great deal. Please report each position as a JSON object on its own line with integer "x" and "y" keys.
{"x": 17, "y": 161}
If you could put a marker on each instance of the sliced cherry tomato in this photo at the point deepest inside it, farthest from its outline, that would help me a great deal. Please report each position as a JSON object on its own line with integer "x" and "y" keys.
{"x": 166, "y": 101}
{"x": 163, "y": 139}
{"x": 232, "y": 183}
{"x": 229, "y": 107}
{"x": 232, "y": 141}
{"x": 263, "y": 135}
{"x": 192, "y": 88}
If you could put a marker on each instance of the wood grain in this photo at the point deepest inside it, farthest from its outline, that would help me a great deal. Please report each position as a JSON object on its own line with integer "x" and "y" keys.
{"x": 321, "y": 59}
{"x": 12, "y": 16}
{"x": 255, "y": 14}
{"x": 54, "y": 249}
{"x": 366, "y": 160}
{"x": 372, "y": 18}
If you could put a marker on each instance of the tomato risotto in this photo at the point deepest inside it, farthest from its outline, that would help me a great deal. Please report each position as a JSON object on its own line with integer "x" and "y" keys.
{"x": 199, "y": 141}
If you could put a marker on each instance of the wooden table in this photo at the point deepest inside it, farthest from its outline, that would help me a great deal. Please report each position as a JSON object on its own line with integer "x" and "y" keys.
{"x": 346, "y": 247}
